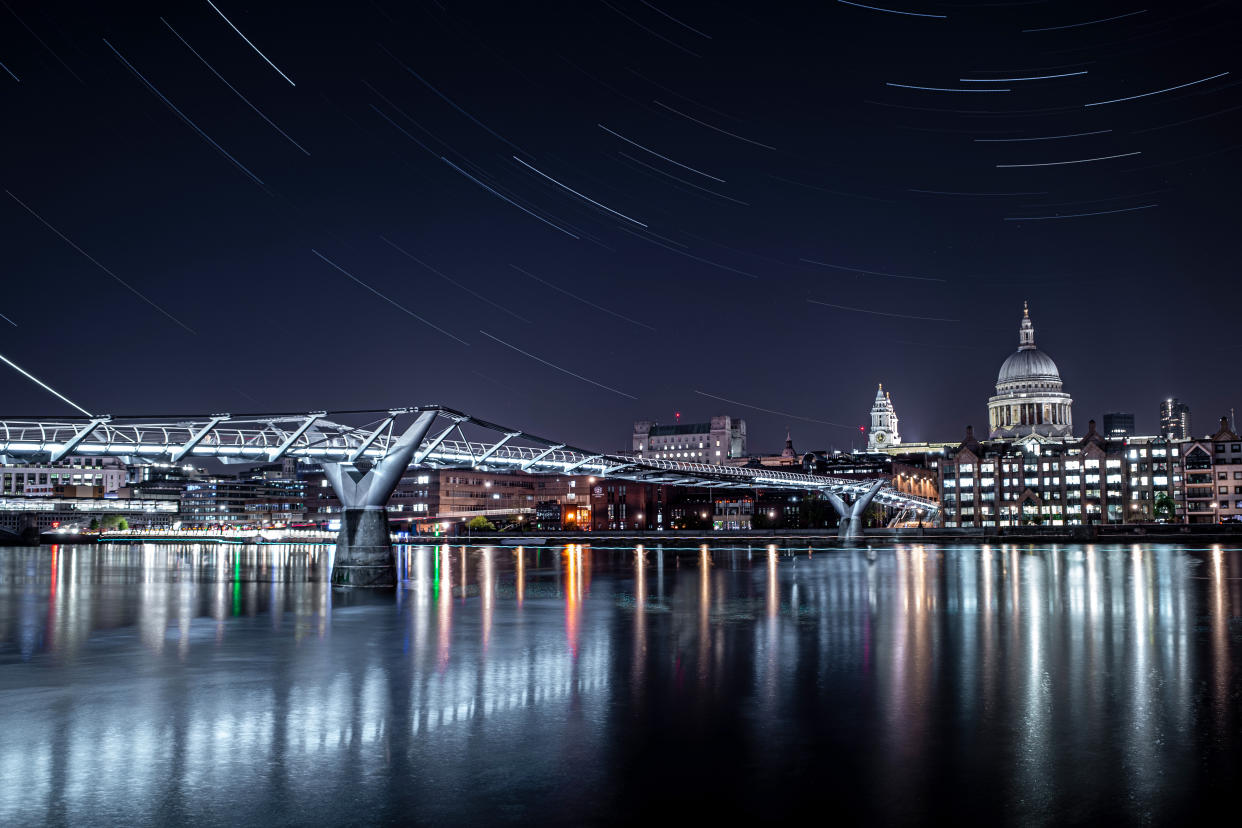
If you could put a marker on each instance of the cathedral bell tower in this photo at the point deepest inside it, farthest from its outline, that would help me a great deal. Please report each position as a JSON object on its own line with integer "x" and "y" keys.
{"x": 884, "y": 431}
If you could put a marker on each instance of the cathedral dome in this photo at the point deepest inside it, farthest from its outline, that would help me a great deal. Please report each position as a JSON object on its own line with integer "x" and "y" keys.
{"x": 1030, "y": 364}
{"x": 1029, "y": 396}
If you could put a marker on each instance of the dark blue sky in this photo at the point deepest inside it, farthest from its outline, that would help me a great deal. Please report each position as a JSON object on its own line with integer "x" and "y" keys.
{"x": 799, "y": 149}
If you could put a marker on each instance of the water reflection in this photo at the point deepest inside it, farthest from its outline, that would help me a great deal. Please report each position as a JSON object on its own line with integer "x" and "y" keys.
{"x": 1052, "y": 682}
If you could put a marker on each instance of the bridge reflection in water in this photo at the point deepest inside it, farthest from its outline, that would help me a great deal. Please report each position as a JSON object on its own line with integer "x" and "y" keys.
{"x": 567, "y": 684}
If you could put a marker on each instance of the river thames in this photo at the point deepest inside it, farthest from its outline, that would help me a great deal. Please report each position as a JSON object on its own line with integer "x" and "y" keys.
{"x": 228, "y": 684}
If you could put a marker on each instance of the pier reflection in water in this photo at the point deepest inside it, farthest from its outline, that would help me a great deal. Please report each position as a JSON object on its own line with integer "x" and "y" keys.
{"x": 150, "y": 684}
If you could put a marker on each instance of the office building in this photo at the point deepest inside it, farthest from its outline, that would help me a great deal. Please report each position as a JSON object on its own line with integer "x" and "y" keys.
{"x": 1118, "y": 424}
{"x": 1175, "y": 419}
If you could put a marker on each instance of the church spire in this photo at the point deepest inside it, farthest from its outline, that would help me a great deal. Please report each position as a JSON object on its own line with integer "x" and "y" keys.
{"x": 1026, "y": 333}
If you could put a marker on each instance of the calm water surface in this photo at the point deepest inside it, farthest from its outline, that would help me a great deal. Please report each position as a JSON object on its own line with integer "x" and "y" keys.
{"x": 570, "y": 685}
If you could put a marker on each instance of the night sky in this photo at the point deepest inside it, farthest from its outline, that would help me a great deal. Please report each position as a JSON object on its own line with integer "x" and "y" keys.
{"x": 396, "y": 233}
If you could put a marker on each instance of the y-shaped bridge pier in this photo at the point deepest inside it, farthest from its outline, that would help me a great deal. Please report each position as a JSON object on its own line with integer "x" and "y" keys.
{"x": 364, "y": 463}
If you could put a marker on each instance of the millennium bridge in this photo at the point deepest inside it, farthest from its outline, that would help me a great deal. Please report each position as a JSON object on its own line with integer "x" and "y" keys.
{"x": 364, "y": 462}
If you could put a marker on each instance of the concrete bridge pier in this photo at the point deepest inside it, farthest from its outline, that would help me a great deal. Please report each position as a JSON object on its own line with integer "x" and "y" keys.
{"x": 850, "y": 526}
{"x": 363, "y": 556}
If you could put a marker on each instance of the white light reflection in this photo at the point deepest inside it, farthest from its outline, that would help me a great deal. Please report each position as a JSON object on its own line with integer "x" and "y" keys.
{"x": 638, "y": 665}
{"x": 487, "y": 581}
{"x": 1218, "y": 613}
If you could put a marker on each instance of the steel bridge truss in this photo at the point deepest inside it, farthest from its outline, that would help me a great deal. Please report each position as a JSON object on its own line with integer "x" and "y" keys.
{"x": 313, "y": 438}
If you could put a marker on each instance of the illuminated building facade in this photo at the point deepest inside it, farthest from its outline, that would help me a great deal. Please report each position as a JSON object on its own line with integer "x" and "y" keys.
{"x": 424, "y": 496}
{"x": 70, "y": 477}
{"x": 717, "y": 441}
{"x": 1060, "y": 482}
{"x": 1213, "y": 472}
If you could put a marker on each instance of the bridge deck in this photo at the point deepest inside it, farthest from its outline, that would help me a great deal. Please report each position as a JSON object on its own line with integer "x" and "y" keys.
{"x": 314, "y": 438}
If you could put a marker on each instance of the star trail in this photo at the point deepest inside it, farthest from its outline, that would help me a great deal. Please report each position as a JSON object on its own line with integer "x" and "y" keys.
{"x": 292, "y": 203}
